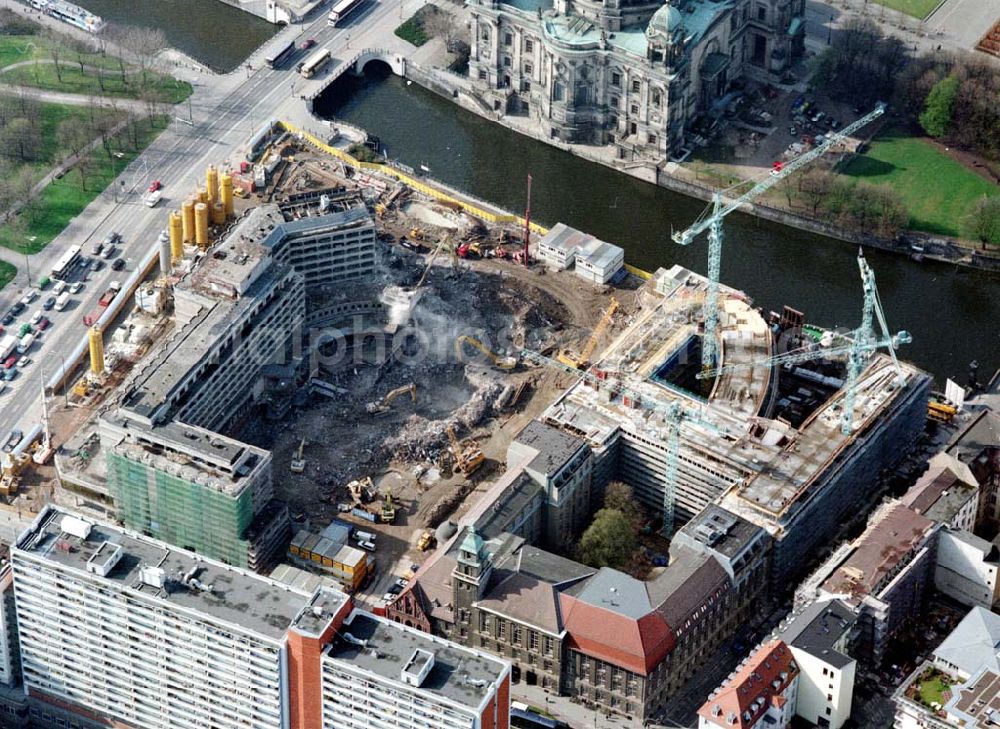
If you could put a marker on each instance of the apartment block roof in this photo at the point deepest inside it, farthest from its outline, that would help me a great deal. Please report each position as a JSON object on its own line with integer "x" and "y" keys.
{"x": 313, "y": 224}
{"x": 748, "y": 693}
{"x": 819, "y": 628}
{"x": 974, "y": 643}
{"x": 976, "y": 703}
{"x": 191, "y": 582}
{"x": 891, "y": 536}
{"x": 377, "y": 646}
{"x": 555, "y": 448}
{"x": 942, "y": 491}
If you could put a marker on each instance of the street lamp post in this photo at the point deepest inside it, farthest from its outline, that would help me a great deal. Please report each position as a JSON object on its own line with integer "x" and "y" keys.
{"x": 829, "y": 31}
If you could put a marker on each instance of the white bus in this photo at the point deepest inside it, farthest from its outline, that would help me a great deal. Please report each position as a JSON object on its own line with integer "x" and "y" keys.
{"x": 274, "y": 60}
{"x": 341, "y": 10}
{"x": 69, "y": 258}
{"x": 315, "y": 63}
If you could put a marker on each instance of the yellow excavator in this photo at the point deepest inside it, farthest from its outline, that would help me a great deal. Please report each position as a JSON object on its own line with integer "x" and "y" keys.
{"x": 582, "y": 360}
{"x": 388, "y": 514}
{"x": 468, "y": 456}
{"x": 298, "y": 463}
{"x": 500, "y": 362}
{"x": 381, "y": 407}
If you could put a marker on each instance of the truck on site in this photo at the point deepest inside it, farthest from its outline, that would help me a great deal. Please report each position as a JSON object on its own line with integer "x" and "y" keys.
{"x": 108, "y": 296}
{"x": 25, "y": 344}
{"x": 62, "y": 300}
{"x": 7, "y": 345}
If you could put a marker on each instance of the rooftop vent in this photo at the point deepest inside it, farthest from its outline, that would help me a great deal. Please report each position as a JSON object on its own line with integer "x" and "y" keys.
{"x": 415, "y": 669}
{"x": 75, "y": 527}
{"x": 354, "y": 641}
{"x": 153, "y": 576}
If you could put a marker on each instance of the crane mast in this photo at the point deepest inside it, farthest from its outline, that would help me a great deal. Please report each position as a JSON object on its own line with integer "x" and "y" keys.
{"x": 674, "y": 411}
{"x": 711, "y": 220}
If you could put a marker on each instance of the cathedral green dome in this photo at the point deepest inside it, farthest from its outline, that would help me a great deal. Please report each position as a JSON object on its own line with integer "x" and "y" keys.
{"x": 665, "y": 22}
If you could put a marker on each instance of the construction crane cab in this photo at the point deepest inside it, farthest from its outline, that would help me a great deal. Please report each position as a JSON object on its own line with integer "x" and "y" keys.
{"x": 499, "y": 361}
{"x": 298, "y": 463}
{"x": 582, "y": 360}
{"x": 381, "y": 407}
{"x": 468, "y": 456}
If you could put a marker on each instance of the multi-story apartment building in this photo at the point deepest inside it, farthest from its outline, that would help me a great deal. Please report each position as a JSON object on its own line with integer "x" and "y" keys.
{"x": 761, "y": 693}
{"x": 120, "y": 629}
{"x": 194, "y": 488}
{"x": 630, "y": 73}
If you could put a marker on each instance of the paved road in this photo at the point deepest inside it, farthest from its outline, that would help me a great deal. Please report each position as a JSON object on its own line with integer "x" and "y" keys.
{"x": 223, "y": 110}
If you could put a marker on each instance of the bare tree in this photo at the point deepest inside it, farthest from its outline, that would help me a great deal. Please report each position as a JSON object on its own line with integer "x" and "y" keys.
{"x": 86, "y": 166}
{"x": 24, "y": 195}
{"x": 73, "y": 136}
{"x": 143, "y": 45}
{"x": 815, "y": 186}
{"x": 21, "y": 138}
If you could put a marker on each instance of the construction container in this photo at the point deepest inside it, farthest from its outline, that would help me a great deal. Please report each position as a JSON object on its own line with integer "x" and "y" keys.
{"x": 201, "y": 225}
{"x": 187, "y": 218}
{"x": 218, "y": 214}
{"x": 95, "y": 338}
{"x": 226, "y": 193}
{"x": 177, "y": 235}
{"x": 212, "y": 185}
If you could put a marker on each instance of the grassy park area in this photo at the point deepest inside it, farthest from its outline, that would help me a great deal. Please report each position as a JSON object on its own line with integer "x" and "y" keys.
{"x": 937, "y": 190}
{"x": 7, "y": 273}
{"x": 917, "y": 8}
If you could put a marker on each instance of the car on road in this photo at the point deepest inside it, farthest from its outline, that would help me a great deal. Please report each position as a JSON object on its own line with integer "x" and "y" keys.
{"x": 36, "y": 317}
{"x": 109, "y": 252}
{"x": 43, "y": 323}
{"x": 76, "y": 288}
{"x": 111, "y": 238}
{"x": 29, "y": 296}
{"x": 49, "y": 303}
{"x": 96, "y": 249}
{"x": 8, "y": 375}
{"x": 308, "y": 43}
{"x": 8, "y": 319}
{"x": 24, "y": 362}
{"x": 96, "y": 265}
{"x": 10, "y": 362}
{"x": 118, "y": 265}
{"x": 155, "y": 185}
{"x": 17, "y": 308}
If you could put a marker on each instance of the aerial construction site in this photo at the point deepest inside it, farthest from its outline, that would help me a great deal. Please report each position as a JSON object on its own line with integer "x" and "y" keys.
{"x": 331, "y": 346}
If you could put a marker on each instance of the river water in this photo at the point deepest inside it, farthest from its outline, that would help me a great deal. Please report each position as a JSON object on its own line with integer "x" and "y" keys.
{"x": 951, "y": 312}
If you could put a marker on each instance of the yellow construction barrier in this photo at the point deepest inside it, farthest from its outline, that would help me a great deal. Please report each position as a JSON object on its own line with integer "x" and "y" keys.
{"x": 417, "y": 185}
{"x": 646, "y": 275}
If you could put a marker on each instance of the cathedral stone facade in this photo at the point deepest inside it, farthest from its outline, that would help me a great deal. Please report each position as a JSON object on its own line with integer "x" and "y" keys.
{"x": 630, "y": 73}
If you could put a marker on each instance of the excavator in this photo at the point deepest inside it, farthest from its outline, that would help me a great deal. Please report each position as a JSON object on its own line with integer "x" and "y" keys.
{"x": 298, "y": 463}
{"x": 582, "y": 360}
{"x": 381, "y": 407}
{"x": 388, "y": 513}
{"x": 468, "y": 456}
{"x": 500, "y": 362}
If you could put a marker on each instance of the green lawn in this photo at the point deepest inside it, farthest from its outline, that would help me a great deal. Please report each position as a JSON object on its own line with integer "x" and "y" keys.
{"x": 50, "y": 152}
{"x": 917, "y": 8}
{"x": 65, "y": 198}
{"x": 414, "y": 30}
{"x": 932, "y": 691}
{"x": 19, "y": 48}
{"x": 7, "y": 273}
{"x": 938, "y": 191}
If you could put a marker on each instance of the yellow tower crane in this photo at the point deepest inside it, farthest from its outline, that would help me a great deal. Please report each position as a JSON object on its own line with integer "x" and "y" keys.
{"x": 582, "y": 360}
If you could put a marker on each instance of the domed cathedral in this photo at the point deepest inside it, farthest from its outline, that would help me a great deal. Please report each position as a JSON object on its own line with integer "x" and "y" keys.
{"x": 629, "y": 73}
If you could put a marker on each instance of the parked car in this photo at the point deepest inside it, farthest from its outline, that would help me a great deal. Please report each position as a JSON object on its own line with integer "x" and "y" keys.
{"x": 24, "y": 362}
{"x": 10, "y": 362}
{"x": 8, "y": 319}
{"x": 29, "y": 296}
{"x": 401, "y": 583}
{"x": 43, "y": 324}
{"x": 36, "y": 317}
{"x": 388, "y": 597}
{"x": 395, "y": 590}
{"x": 49, "y": 303}
{"x": 96, "y": 265}
{"x": 76, "y": 288}
{"x": 118, "y": 265}
{"x": 8, "y": 375}
{"x": 367, "y": 546}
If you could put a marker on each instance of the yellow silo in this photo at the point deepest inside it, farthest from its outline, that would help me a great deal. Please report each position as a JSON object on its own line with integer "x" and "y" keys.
{"x": 226, "y": 193}
{"x": 187, "y": 218}
{"x": 96, "y": 339}
{"x": 218, "y": 214}
{"x": 201, "y": 195}
{"x": 177, "y": 235}
{"x": 201, "y": 225}
{"x": 212, "y": 184}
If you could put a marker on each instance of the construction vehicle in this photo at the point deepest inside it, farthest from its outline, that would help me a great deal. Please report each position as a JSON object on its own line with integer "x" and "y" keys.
{"x": 500, "y": 362}
{"x": 582, "y": 360}
{"x": 462, "y": 251}
{"x": 940, "y": 412}
{"x": 388, "y": 514}
{"x": 426, "y": 540}
{"x": 416, "y": 234}
{"x": 380, "y": 209}
{"x": 381, "y": 407}
{"x": 361, "y": 490}
{"x": 298, "y": 463}
{"x": 468, "y": 456}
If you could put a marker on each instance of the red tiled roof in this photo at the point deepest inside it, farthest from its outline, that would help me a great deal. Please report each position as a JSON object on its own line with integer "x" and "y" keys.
{"x": 744, "y": 698}
{"x": 637, "y": 645}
